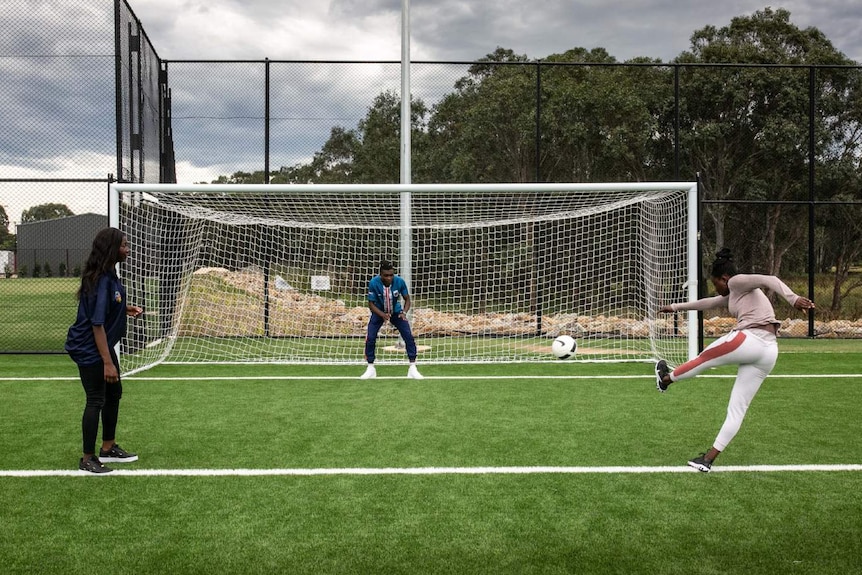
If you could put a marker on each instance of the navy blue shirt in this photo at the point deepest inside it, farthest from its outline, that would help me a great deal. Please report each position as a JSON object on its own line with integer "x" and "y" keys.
{"x": 106, "y": 306}
{"x": 396, "y": 290}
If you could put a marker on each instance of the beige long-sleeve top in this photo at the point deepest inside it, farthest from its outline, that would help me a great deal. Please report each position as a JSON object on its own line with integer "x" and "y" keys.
{"x": 746, "y": 300}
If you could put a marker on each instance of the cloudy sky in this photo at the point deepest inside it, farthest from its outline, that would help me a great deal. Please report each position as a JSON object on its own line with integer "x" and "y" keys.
{"x": 461, "y": 29}
{"x": 450, "y": 30}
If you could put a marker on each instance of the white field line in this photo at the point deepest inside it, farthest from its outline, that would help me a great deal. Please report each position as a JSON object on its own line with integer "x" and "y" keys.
{"x": 432, "y": 377}
{"x": 420, "y": 471}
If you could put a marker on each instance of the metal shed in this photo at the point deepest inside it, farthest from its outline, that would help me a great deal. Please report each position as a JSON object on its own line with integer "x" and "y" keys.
{"x": 58, "y": 247}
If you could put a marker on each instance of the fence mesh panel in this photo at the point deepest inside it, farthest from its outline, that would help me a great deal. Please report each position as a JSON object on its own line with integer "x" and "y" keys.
{"x": 87, "y": 98}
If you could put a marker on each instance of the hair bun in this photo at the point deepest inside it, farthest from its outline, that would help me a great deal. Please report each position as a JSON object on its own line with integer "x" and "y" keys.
{"x": 724, "y": 254}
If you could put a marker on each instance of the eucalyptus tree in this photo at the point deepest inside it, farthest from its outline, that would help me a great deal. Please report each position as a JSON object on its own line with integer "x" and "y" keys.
{"x": 485, "y": 130}
{"x": 745, "y": 128}
{"x": 601, "y": 120}
{"x": 4, "y": 226}
{"x": 43, "y": 212}
{"x": 333, "y": 164}
{"x": 370, "y": 153}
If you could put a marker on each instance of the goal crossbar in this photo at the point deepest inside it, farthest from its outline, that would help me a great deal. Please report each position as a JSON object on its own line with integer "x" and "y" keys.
{"x": 413, "y": 188}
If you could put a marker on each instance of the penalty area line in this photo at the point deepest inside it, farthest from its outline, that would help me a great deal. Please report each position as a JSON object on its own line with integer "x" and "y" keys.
{"x": 421, "y": 471}
{"x": 427, "y": 377}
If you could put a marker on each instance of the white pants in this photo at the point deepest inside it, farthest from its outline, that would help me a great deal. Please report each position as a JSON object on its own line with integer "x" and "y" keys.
{"x": 755, "y": 351}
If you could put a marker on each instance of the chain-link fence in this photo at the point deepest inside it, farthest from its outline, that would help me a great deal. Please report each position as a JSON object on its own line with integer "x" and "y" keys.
{"x": 82, "y": 104}
{"x": 777, "y": 148}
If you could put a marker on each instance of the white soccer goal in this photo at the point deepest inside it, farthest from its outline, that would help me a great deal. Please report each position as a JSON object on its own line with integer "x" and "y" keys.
{"x": 278, "y": 273}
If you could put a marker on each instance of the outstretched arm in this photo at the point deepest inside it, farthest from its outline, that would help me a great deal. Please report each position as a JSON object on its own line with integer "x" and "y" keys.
{"x": 705, "y": 303}
{"x": 749, "y": 282}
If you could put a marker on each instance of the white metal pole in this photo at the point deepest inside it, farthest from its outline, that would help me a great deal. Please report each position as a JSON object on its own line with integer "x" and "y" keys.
{"x": 406, "y": 223}
{"x": 114, "y": 222}
{"x": 113, "y": 206}
{"x": 692, "y": 271}
{"x": 405, "y": 92}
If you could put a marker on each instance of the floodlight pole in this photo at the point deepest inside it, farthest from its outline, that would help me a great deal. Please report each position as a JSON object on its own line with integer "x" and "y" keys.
{"x": 406, "y": 230}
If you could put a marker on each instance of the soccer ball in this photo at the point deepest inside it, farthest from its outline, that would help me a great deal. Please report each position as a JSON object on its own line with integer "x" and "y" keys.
{"x": 564, "y": 347}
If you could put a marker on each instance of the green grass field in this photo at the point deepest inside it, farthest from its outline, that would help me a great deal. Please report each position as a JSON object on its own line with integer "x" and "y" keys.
{"x": 352, "y": 516}
{"x": 36, "y": 312}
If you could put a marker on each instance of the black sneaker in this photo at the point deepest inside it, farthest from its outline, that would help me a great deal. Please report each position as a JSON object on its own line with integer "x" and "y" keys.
{"x": 93, "y": 465}
{"x": 117, "y": 454}
{"x": 701, "y": 463}
{"x": 661, "y": 370}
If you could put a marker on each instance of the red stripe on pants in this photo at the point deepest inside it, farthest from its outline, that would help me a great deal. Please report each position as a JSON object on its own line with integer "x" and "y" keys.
{"x": 711, "y": 353}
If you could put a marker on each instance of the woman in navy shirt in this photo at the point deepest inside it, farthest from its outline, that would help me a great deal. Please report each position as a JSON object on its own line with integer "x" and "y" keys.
{"x": 101, "y": 322}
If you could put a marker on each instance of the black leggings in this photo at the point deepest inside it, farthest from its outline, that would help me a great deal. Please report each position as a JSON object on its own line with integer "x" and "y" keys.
{"x": 102, "y": 398}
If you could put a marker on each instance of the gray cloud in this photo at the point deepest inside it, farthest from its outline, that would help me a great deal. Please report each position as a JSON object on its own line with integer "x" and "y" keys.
{"x": 466, "y": 30}
{"x": 660, "y": 29}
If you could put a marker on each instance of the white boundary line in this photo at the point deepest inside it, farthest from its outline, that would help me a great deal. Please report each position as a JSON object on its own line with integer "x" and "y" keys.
{"x": 432, "y": 377}
{"x": 419, "y": 471}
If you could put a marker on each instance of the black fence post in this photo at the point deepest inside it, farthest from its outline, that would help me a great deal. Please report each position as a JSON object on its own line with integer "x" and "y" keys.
{"x": 676, "y": 125}
{"x": 812, "y": 105}
{"x": 118, "y": 90}
{"x": 266, "y": 137}
{"x": 537, "y": 268}
{"x": 700, "y": 279}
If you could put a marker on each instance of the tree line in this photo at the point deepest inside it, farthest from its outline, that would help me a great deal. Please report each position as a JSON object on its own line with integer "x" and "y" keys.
{"x": 740, "y": 108}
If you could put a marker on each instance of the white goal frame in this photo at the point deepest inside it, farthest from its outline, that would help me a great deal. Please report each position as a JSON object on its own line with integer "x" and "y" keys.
{"x": 132, "y": 190}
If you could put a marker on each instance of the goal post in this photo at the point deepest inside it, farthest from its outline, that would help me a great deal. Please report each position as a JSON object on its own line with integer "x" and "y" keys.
{"x": 232, "y": 273}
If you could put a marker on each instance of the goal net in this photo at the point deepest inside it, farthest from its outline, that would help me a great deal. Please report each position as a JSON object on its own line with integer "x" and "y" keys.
{"x": 279, "y": 273}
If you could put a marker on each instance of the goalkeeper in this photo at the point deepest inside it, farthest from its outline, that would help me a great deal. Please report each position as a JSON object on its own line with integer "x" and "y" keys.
{"x": 384, "y": 291}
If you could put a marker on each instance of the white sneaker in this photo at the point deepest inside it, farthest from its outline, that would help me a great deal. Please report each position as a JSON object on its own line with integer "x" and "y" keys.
{"x": 370, "y": 373}
{"x": 413, "y": 373}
